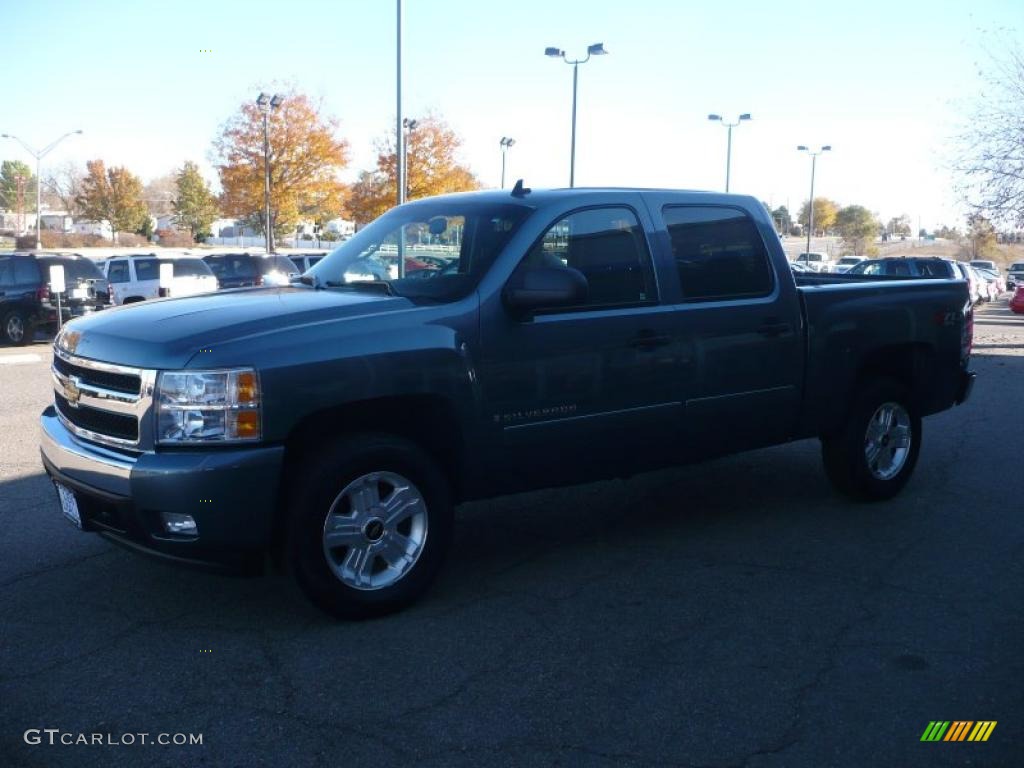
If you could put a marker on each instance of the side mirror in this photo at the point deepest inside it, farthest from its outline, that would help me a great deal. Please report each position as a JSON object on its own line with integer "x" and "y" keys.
{"x": 545, "y": 288}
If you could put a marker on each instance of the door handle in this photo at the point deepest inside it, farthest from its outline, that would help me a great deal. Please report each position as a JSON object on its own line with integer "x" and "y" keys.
{"x": 648, "y": 339}
{"x": 772, "y": 327}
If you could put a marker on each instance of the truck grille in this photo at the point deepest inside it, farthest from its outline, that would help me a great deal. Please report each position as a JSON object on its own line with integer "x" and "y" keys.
{"x": 102, "y": 423}
{"x": 102, "y": 402}
{"x": 127, "y": 383}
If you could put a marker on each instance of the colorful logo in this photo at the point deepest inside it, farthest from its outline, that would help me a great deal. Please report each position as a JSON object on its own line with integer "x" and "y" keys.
{"x": 958, "y": 730}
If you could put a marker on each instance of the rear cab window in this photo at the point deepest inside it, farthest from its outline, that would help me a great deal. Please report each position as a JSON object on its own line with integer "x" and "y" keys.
{"x": 718, "y": 253}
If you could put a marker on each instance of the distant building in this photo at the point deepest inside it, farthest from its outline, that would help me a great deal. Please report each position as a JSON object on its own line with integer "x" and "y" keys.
{"x": 101, "y": 228}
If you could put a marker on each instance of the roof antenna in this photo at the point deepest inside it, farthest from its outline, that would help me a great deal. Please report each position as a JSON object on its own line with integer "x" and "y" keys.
{"x": 519, "y": 190}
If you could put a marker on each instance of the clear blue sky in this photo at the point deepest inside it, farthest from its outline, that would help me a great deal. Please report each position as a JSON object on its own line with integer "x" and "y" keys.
{"x": 884, "y": 82}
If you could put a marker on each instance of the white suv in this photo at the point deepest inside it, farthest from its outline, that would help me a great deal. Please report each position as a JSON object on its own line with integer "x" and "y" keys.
{"x": 137, "y": 277}
{"x": 815, "y": 262}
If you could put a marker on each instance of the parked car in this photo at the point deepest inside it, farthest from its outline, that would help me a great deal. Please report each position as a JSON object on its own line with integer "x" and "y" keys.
{"x": 136, "y": 277}
{"x": 244, "y": 270}
{"x": 995, "y": 282}
{"x": 591, "y": 333}
{"x": 846, "y": 263}
{"x": 26, "y": 301}
{"x": 1017, "y": 300}
{"x": 303, "y": 261}
{"x": 1015, "y": 275}
{"x": 984, "y": 264}
{"x": 973, "y": 281}
{"x": 815, "y": 262}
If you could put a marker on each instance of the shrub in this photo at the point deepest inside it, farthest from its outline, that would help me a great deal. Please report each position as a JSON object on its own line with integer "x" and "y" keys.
{"x": 174, "y": 238}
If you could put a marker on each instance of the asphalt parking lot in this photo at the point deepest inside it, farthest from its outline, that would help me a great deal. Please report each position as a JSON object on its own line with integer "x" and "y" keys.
{"x": 737, "y": 613}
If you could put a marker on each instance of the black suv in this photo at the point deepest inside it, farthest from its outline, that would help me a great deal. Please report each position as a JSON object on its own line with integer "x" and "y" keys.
{"x": 242, "y": 270}
{"x": 26, "y": 302}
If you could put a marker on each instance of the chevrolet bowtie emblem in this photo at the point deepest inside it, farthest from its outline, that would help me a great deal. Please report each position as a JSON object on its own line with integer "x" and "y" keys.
{"x": 71, "y": 391}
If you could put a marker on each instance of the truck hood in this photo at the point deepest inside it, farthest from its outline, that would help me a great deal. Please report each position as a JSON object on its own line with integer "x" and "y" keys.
{"x": 167, "y": 333}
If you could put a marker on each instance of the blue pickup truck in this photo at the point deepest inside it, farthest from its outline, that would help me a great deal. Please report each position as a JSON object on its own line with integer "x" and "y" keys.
{"x": 466, "y": 346}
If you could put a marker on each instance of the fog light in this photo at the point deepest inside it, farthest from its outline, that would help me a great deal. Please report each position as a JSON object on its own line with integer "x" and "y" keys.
{"x": 180, "y": 524}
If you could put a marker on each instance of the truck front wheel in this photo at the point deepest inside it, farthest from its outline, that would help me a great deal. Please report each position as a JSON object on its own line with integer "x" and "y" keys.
{"x": 369, "y": 523}
{"x": 872, "y": 456}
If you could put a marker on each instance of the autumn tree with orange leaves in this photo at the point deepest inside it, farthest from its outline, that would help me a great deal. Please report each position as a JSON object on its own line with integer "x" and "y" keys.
{"x": 306, "y": 156}
{"x": 432, "y": 169}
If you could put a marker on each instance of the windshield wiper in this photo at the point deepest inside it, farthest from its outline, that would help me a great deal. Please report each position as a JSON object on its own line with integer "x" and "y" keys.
{"x": 307, "y": 280}
{"x": 371, "y": 286}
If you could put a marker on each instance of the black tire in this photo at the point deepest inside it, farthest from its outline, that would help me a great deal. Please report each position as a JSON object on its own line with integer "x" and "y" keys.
{"x": 329, "y": 472}
{"x": 17, "y": 329}
{"x": 845, "y": 452}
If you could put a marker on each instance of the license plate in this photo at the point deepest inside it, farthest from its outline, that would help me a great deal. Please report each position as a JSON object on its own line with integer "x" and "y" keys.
{"x": 68, "y": 505}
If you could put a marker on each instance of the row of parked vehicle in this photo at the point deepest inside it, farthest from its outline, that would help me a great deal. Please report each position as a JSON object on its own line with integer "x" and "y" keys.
{"x": 986, "y": 281}
{"x": 27, "y": 303}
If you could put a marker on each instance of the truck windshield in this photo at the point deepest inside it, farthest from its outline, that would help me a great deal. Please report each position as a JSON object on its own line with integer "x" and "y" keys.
{"x": 444, "y": 247}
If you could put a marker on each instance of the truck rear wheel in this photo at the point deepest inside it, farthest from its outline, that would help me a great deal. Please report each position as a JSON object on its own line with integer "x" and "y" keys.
{"x": 874, "y": 454}
{"x": 369, "y": 523}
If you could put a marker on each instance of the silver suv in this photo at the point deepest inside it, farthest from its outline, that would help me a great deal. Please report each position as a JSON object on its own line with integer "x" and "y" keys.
{"x": 1015, "y": 274}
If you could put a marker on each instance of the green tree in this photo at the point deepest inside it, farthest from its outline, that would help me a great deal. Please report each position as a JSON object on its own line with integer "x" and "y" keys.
{"x": 898, "y": 225}
{"x": 9, "y": 171}
{"x": 783, "y": 221}
{"x": 858, "y": 227}
{"x": 195, "y": 206}
{"x": 824, "y": 214}
{"x": 981, "y": 237}
{"x": 114, "y": 195}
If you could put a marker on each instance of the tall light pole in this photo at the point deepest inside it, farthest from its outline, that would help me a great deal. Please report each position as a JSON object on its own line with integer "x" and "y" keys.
{"x": 728, "y": 149}
{"x": 400, "y": 123}
{"x": 267, "y": 103}
{"x": 409, "y": 125}
{"x": 505, "y": 144}
{"x": 597, "y": 49}
{"x": 39, "y": 155}
{"x": 810, "y": 206}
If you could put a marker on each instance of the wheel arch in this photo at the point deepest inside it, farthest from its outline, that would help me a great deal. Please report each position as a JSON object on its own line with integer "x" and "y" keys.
{"x": 429, "y": 421}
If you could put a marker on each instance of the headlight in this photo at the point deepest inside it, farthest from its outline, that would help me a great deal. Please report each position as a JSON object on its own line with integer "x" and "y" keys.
{"x": 207, "y": 406}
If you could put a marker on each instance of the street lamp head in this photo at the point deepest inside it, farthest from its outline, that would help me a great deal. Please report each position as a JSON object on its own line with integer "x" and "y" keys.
{"x": 597, "y": 49}
{"x": 79, "y": 131}
{"x": 801, "y": 148}
{"x": 745, "y": 116}
{"x": 714, "y": 117}
{"x": 827, "y": 148}
{"x": 277, "y": 100}
{"x": 262, "y": 99}
{"x": 556, "y": 52}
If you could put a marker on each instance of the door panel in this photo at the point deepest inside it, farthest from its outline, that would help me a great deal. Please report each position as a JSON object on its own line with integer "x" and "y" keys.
{"x": 586, "y": 391}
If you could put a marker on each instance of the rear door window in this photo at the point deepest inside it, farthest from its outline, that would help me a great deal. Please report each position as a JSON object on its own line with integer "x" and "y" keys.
{"x": 719, "y": 253}
{"x": 147, "y": 269}
{"x": 117, "y": 272}
{"x": 188, "y": 267}
{"x": 26, "y": 272}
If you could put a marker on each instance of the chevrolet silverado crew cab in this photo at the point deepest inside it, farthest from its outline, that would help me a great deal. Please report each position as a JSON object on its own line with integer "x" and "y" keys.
{"x": 571, "y": 335}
